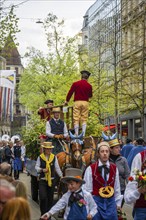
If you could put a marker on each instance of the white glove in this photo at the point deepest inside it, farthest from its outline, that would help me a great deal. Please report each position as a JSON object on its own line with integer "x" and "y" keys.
{"x": 45, "y": 216}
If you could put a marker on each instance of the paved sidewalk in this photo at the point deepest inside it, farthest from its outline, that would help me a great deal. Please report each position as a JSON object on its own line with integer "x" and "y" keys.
{"x": 35, "y": 210}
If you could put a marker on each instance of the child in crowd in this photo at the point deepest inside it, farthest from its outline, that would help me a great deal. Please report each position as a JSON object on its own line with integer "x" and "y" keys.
{"x": 78, "y": 203}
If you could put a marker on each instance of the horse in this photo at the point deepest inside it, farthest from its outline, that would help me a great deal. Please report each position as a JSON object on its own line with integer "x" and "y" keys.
{"x": 75, "y": 155}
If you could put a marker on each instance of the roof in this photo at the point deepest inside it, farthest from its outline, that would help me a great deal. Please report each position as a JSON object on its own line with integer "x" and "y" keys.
{"x": 10, "y": 52}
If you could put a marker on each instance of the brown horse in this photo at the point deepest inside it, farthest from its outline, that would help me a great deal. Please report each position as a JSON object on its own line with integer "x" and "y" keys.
{"x": 74, "y": 154}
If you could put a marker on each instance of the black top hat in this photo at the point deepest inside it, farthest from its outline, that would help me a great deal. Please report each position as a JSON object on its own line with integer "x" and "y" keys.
{"x": 48, "y": 101}
{"x": 85, "y": 71}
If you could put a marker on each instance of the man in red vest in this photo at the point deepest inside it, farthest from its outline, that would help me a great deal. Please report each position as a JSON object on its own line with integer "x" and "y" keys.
{"x": 134, "y": 193}
{"x": 102, "y": 180}
{"x": 82, "y": 91}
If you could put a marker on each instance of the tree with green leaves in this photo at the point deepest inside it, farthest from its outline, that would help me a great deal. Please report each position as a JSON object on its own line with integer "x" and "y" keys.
{"x": 8, "y": 29}
{"x": 51, "y": 76}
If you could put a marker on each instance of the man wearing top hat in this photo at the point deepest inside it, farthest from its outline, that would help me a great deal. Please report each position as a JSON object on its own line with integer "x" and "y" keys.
{"x": 102, "y": 180}
{"x": 78, "y": 203}
{"x": 46, "y": 166}
{"x": 45, "y": 113}
{"x": 56, "y": 129}
{"x": 82, "y": 91}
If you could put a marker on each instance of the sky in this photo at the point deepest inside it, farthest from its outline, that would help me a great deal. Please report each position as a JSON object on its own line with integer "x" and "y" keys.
{"x": 30, "y": 11}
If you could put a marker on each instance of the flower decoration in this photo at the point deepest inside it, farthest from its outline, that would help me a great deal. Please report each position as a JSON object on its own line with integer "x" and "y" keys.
{"x": 140, "y": 178}
{"x": 82, "y": 202}
{"x": 121, "y": 215}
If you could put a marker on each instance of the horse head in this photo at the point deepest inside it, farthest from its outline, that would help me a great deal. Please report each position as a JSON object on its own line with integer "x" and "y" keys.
{"x": 76, "y": 146}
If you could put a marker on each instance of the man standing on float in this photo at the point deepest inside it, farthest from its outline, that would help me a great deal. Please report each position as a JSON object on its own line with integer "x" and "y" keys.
{"x": 82, "y": 93}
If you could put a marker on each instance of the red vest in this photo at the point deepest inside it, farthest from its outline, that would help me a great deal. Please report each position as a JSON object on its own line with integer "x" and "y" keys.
{"x": 98, "y": 181}
{"x": 141, "y": 203}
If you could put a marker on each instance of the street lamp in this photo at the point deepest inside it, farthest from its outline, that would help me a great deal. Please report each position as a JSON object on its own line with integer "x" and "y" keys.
{"x": 39, "y": 22}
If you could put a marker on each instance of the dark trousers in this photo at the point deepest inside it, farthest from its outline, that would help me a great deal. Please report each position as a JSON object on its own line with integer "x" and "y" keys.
{"x": 16, "y": 174}
{"x": 46, "y": 194}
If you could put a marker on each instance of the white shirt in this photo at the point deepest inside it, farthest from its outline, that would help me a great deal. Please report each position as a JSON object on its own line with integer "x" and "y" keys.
{"x": 91, "y": 206}
{"x": 57, "y": 167}
{"x": 137, "y": 163}
{"x": 89, "y": 182}
{"x": 131, "y": 193}
{"x": 51, "y": 135}
{"x": 23, "y": 152}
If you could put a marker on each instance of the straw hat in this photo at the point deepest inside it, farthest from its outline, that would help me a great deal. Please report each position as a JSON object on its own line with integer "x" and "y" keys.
{"x": 57, "y": 109}
{"x": 73, "y": 174}
{"x": 47, "y": 145}
{"x": 114, "y": 142}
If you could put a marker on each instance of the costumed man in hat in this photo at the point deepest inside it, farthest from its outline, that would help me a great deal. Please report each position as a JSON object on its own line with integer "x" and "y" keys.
{"x": 46, "y": 166}
{"x": 136, "y": 193}
{"x": 56, "y": 129}
{"x": 120, "y": 162}
{"x": 78, "y": 203}
{"x": 82, "y": 91}
{"x": 45, "y": 113}
{"x": 102, "y": 180}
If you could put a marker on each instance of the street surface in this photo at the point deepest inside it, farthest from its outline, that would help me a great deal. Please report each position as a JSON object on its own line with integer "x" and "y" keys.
{"x": 35, "y": 211}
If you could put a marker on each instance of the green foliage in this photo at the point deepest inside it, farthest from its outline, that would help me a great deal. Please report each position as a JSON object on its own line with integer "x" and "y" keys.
{"x": 8, "y": 28}
{"x": 35, "y": 127}
{"x": 50, "y": 77}
{"x": 94, "y": 127}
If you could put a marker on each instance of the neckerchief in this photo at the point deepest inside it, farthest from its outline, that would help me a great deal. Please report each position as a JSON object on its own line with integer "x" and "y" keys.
{"x": 106, "y": 171}
{"x": 74, "y": 197}
{"x": 48, "y": 174}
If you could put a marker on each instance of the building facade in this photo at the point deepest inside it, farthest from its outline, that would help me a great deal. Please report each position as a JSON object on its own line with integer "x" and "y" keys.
{"x": 114, "y": 31}
{"x": 133, "y": 67}
{"x": 13, "y": 62}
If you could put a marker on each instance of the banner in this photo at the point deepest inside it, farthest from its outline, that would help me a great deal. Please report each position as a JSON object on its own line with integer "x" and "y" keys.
{"x": 7, "y": 78}
{"x": 7, "y": 85}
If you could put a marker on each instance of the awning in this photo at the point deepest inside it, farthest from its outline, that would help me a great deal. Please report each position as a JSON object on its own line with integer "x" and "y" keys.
{"x": 109, "y": 127}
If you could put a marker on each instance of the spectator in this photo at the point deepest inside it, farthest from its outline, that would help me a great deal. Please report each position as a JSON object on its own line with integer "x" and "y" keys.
{"x": 56, "y": 129}
{"x": 7, "y": 191}
{"x": 9, "y": 156}
{"x": 17, "y": 159}
{"x": 5, "y": 168}
{"x": 45, "y": 113}
{"x": 21, "y": 190}
{"x": 8, "y": 178}
{"x": 2, "y": 152}
{"x": 127, "y": 148}
{"x": 71, "y": 200}
{"x": 82, "y": 91}
{"x": 23, "y": 154}
{"x": 16, "y": 209}
{"x": 135, "y": 150}
{"x": 102, "y": 180}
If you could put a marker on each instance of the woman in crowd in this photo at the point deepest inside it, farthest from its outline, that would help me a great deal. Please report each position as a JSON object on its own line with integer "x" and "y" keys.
{"x": 16, "y": 209}
{"x": 21, "y": 190}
